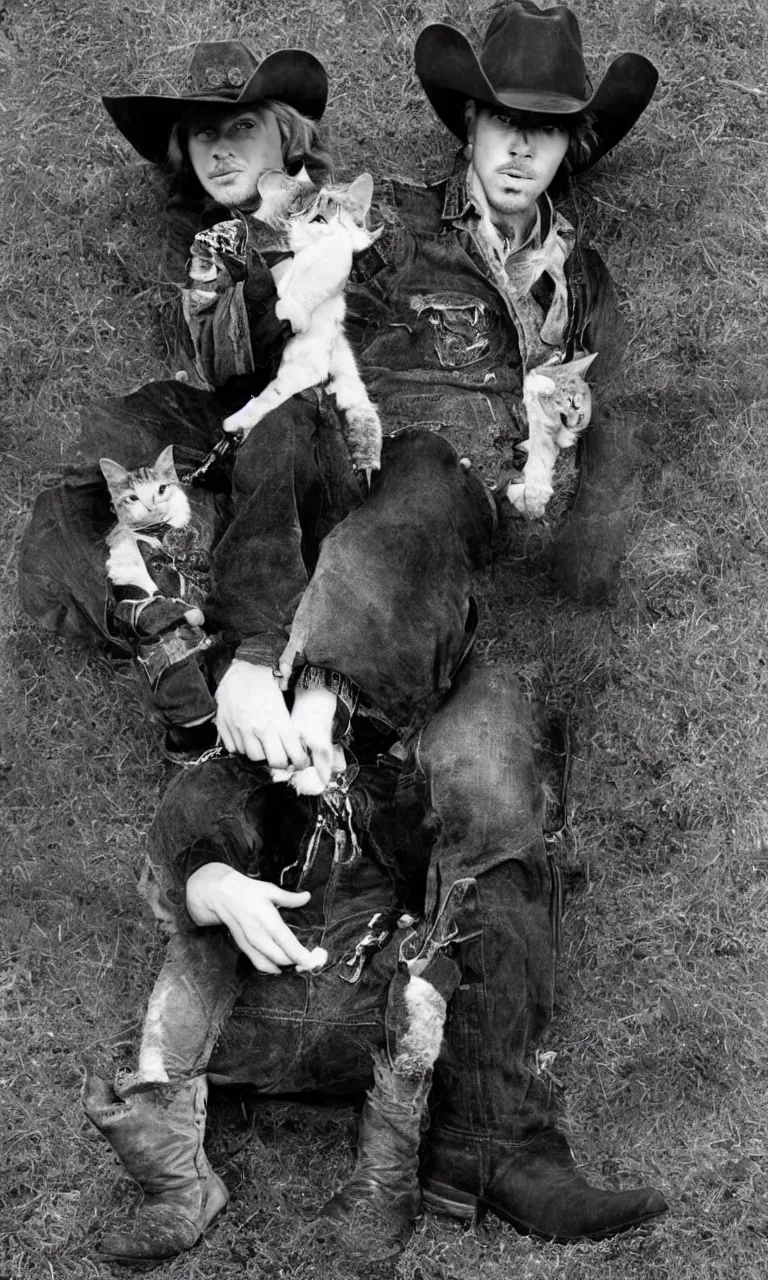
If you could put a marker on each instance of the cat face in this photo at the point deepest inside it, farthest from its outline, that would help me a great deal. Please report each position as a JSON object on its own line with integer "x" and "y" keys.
{"x": 314, "y": 215}
{"x": 561, "y": 393}
{"x": 147, "y": 495}
{"x": 346, "y": 206}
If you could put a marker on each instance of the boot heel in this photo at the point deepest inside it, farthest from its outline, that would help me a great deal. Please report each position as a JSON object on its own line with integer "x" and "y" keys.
{"x": 448, "y": 1202}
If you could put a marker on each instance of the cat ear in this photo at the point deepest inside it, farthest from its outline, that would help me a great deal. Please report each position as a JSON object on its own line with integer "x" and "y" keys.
{"x": 359, "y": 196}
{"x": 164, "y": 466}
{"x": 113, "y": 473}
{"x": 581, "y": 365}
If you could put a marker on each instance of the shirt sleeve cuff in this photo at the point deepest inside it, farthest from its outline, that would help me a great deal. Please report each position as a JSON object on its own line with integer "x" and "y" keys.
{"x": 261, "y": 651}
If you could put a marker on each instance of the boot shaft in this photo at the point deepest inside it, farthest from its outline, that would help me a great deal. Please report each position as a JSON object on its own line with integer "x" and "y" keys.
{"x": 156, "y": 1131}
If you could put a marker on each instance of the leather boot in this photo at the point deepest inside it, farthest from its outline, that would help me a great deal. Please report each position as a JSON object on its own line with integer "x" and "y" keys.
{"x": 157, "y": 1131}
{"x": 377, "y": 1207}
{"x": 532, "y": 1184}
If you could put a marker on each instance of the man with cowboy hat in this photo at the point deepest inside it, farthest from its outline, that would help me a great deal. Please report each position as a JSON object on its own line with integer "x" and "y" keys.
{"x": 474, "y": 281}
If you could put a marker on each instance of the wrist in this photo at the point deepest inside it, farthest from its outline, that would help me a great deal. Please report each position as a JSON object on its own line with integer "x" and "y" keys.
{"x": 204, "y": 892}
{"x": 253, "y": 671}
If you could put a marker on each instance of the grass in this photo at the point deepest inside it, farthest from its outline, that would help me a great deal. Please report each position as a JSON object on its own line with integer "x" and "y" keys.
{"x": 661, "y": 1032}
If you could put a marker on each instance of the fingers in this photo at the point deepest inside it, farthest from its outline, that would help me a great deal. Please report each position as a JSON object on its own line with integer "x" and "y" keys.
{"x": 282, "y": 747}
{"x": 307, "y": 782}
{"x": 322, "y": 759}
{"x": 286, "y": 898}
{"x": 253, "y": 720}
{"x": 267, "y": 941}
{"x": 253, "y": 951}
{"x": 318, "y": 957}
{"x": 286, "y": 940}
{"x": 312, "y": 719}
{"x": 230, "y": 735}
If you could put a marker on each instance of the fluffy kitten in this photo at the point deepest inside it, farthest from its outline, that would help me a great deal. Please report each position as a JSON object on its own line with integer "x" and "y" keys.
{"x": 323, "y": 236}
{"x": 143, "y": 499}
{"x": 558, "y": 404}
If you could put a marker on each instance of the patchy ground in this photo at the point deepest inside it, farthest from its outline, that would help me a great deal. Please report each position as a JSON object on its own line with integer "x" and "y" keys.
{"x": 661, "y": 1033}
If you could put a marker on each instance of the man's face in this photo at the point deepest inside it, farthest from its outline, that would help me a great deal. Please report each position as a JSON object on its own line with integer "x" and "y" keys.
{"x": 514, "y": 158}
{"x": 230, "y": 150}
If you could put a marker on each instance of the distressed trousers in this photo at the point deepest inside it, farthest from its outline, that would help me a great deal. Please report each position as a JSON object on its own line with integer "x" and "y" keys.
{"x": 457, "y": 828}
{"x": 380, "y": 589}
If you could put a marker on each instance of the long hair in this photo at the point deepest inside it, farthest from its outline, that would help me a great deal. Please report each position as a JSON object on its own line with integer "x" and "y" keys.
{"x": 301, "y": 145}
{"x": 583, "y": 143}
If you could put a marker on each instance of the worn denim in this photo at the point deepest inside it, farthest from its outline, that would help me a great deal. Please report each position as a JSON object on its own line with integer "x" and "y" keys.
{"x": 389, "y": 603}
{"x": 464, "y": 814}
{"x": 439, "y": 343}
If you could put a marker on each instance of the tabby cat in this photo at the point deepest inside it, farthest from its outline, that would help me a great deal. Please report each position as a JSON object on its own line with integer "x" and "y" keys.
{"x": 323, "y": 236}
{"x": 558, "y": 405}
{"x": 144, "y": 500}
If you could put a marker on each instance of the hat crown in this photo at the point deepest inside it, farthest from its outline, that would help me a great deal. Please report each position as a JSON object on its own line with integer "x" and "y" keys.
{"x": 535, "y": 49}
{"x": 220, "y": 66}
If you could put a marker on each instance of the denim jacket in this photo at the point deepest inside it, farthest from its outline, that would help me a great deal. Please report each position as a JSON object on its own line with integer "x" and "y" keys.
{"x": 440, "y": 343}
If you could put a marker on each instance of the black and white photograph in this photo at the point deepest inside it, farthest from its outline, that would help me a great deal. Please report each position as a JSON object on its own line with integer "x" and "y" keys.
{"x": 384, "y": 640}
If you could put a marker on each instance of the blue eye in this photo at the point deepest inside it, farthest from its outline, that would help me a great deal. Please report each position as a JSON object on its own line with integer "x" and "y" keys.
{"x": 162, "y": 488}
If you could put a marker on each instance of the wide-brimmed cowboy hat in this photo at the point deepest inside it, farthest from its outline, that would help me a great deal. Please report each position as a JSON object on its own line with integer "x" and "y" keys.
{"x": 224, "y": 73}
{"x": 532, "y": 60}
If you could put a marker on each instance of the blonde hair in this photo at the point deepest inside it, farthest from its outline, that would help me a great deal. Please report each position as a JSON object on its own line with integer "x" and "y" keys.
{"x": 300, "y": 138}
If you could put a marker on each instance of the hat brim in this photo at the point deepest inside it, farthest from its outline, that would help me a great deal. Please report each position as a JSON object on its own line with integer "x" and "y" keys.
{"x": 450, "y": 74}
{"x": 292, "y": 76}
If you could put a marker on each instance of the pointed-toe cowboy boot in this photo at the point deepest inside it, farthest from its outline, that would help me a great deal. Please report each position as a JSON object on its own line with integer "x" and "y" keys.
{"x": 157, "y": 1131}
{"x": 534, "y": 1185}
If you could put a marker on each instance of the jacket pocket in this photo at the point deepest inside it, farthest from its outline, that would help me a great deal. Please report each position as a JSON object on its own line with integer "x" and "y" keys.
{"x": 460, "y": 327}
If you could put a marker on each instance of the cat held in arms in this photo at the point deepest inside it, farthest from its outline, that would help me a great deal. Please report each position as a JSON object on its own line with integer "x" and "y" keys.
{"x": 324, "y": 229}
{"x": 558, "y": 405}
{"x": 146, "y": 501}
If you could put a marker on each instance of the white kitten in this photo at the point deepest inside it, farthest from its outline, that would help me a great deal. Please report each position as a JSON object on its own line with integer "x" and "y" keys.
{"x": 324, "y": 236}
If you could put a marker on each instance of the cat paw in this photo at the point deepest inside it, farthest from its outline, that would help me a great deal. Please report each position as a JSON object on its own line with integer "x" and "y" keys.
{"x": 195, "y": 617}
{"x": 245, "y": 418}
{"x": 297, "y": 315}
{"x": 363, "y": 436}
{"x": 528, "y": 499}
{"x": 566, "y": 438}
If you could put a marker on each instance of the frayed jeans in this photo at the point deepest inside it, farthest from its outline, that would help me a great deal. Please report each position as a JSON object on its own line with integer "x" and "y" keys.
{"x": 458, "y": 825}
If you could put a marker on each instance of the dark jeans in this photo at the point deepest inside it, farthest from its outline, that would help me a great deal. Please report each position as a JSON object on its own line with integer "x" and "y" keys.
{"x": 463, "y": 816}
{"x": 389, "y": 602}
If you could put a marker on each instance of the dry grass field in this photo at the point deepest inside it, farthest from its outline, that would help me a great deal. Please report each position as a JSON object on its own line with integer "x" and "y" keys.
{"x": 661, "y": 1031}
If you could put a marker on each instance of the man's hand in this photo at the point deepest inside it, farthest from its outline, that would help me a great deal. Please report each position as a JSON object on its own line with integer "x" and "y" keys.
{"x": 218, "y": 894}
{"x": 312, "y": 719}
{"x": 252, "y": 717}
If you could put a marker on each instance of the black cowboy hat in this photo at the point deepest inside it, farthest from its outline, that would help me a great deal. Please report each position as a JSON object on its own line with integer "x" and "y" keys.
{"x": 225, "y": 73}
{"x": 531, "y": 60}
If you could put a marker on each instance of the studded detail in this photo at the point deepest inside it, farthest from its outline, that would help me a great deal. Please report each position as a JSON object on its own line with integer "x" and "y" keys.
{"x": 235, "y": 77}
